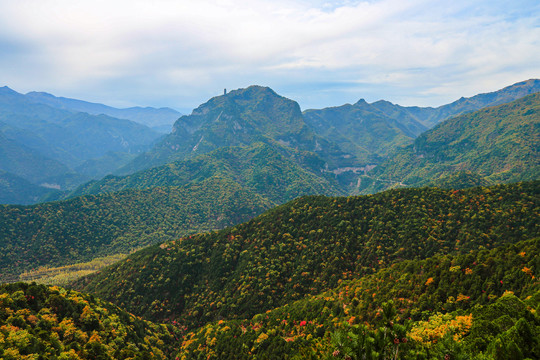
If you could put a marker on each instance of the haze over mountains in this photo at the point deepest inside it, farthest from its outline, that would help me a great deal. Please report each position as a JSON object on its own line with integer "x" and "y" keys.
{"x": 59, "y": 147}
{"x": 159, "y": 120}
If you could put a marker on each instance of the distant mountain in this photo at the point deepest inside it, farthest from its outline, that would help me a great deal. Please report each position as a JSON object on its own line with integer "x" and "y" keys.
{"x": 260, "y": 167}
{"x": 363, "y": 130}
{"x": 43, "y": 144}
{"x": 241, "y": 118}
{"x": 430, "y": 117}
{"x": 499, "y": 144}
{"x": 81, "y": 229}
{"x": 159, "y": 119}
{"x": 373, "y": 131}
{"x": 309, "y": 245}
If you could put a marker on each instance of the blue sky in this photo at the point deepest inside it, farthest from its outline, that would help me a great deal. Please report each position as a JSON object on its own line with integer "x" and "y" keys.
{"x": 180, "y": 53}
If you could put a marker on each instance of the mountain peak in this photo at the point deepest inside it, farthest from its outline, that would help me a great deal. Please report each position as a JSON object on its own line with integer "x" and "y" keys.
{"x": 250, "y": 91}
{"x": 7, "y": 90}
{"x": 361, "y": 102}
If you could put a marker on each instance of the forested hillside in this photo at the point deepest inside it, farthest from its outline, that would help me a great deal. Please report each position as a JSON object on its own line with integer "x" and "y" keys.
{"x": 363, "y": 130}
{"x": 262, "y": 168}
{"x": 479, "y": 305}
{"x": 40, "y": 322}
{"x": 80, "y": 229}
{"x": 499, "y": 144}
{"x": 309, "y": 245}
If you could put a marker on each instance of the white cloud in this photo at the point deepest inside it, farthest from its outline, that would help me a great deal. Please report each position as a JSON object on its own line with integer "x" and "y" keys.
{"x": 154, "y": 52}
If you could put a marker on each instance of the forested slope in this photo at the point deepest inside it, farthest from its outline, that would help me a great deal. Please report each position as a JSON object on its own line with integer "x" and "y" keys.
{"x": 479, "y": 305}
{"x": 260, "y": 167}
{"x": 80, "y": 229}
{"x": 309, "y": 245}
{"x": 40, "y": 322}
{"x": 499, "y": 144}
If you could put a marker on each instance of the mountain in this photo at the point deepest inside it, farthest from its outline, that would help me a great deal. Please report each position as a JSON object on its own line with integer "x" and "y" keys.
{"x": 460, "y": 307}
{"x": 499, "y": 144}
{"x": 40, "y": 322}
{"x": 374, "y": 131}
{"x": 430, "y": 117}
{"x": 81, "y": 229}
{"x": 260, "y": 167}
{"x": 42, "y": 144}
{"x": 241, "y": 118}
{"x": 363, "y": 130}
{"x": 69, "y": 137}
{"x": 160, "y": 119}
{"x": 310, "y": 245}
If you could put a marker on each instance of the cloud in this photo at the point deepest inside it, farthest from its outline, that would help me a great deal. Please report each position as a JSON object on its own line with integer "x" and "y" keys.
{"x": 178, "y": 53}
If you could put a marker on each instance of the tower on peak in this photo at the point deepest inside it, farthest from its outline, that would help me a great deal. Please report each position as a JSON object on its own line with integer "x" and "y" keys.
{"x": 224, "y": 91}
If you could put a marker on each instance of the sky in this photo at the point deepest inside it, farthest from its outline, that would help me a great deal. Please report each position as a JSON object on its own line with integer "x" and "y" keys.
{"x": 180, "y": 53}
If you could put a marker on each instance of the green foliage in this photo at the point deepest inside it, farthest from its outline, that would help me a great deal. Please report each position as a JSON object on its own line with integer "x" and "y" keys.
{"x": 311, "y": 244}
{"x": 499, "y": 144}
{"x": 362, "y": 130}
{"x": 40, "y": 322}
{"x": 260, "y": 167}
{"x": 380, "y": 316}
{"x": 460, "y": 180}
{"x": 80, "y": 229}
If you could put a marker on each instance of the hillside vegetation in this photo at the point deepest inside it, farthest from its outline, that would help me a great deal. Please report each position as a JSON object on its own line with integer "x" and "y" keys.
{"x": 309, "y": 245}
{"x": 479, "y": 305}
{"x": 499, "y": 144}
{"x": 40, "y": 322}
{"x": 80, "y": 229}
{"x": 262, "y": 168}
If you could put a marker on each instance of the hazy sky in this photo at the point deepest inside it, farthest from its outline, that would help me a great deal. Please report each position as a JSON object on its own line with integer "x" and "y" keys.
{"x": 319, "y": 53}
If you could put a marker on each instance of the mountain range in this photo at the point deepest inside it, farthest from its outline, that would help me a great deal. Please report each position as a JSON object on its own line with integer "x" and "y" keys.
{"x": 499, "y": 144}
{"x": 60, "y": 148}
{"x": 48, "y": 142}
{"x": 160, "y": 119}
{"x": 244, "y": 245}
{"x": 260, "y": 143}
